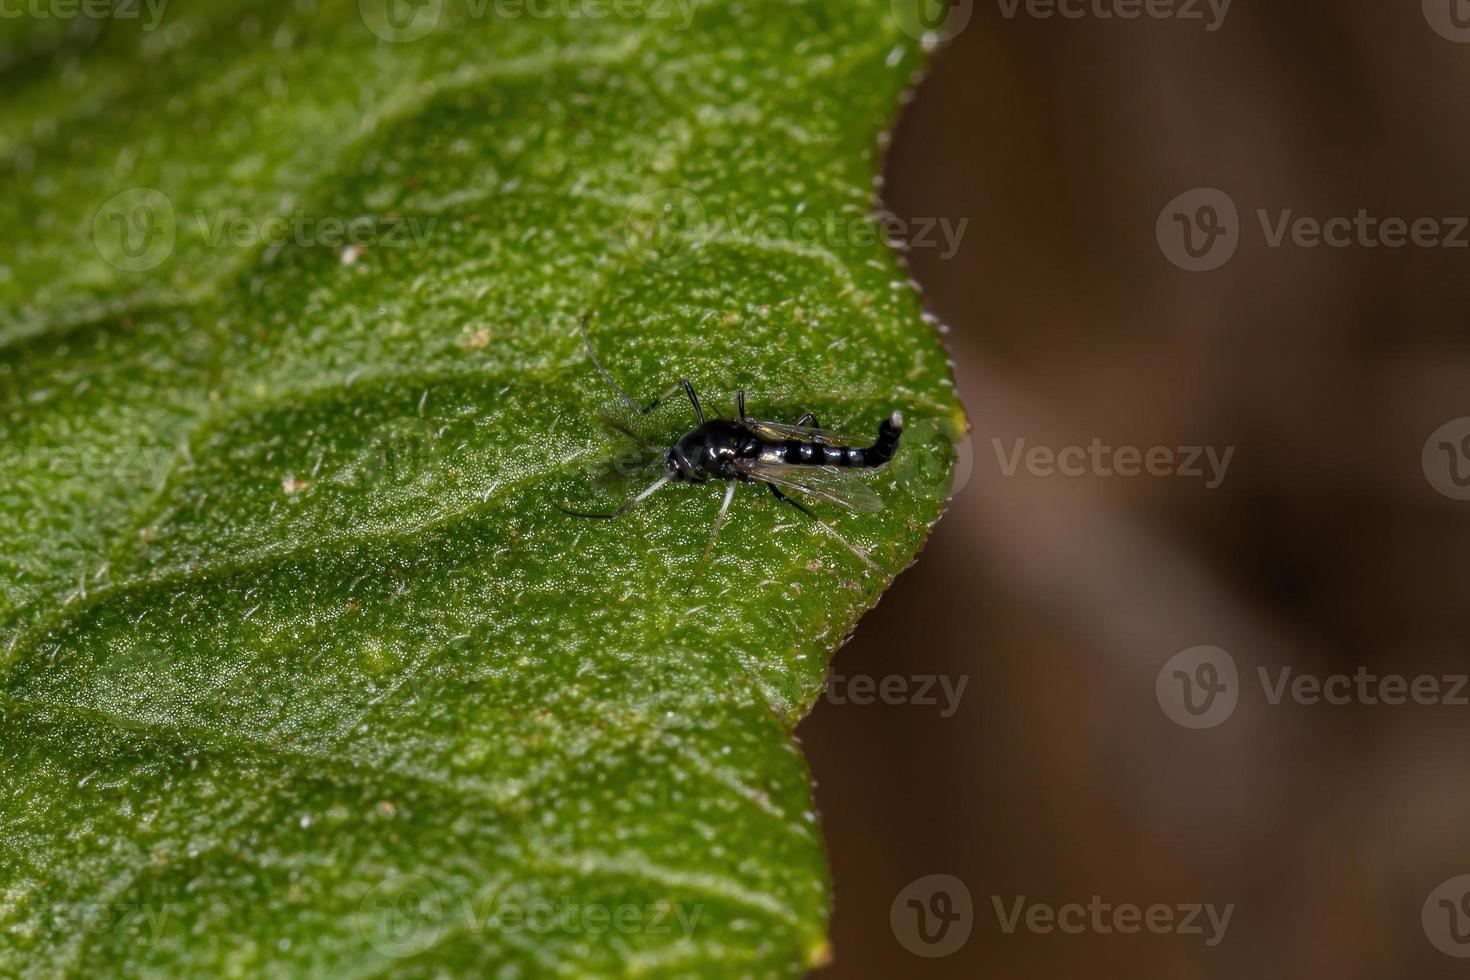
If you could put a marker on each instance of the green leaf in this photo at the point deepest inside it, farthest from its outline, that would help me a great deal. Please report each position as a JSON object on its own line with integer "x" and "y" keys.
{"x": 303, "y": 672}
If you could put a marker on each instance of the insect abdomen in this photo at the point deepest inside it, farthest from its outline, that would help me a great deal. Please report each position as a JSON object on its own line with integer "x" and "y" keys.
{"x": 816, "y": 454}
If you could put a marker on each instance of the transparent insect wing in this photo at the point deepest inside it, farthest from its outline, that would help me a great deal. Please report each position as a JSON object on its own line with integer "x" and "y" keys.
{"x": 840, "y": 487}
{"x": 778, "y": 431}
{"x": 627, "y": 435}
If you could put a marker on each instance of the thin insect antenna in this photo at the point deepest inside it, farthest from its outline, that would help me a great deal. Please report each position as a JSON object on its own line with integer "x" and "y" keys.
{"x": 693, "y": 399}
{"x": 715, "y": 531}
{"x": 587, "y": 342}
{"x": 626, "y": 507}
{"x": 862, "y": 555}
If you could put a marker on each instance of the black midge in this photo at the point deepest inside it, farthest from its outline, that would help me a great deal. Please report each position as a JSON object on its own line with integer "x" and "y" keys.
{"x": 802, "y": 458}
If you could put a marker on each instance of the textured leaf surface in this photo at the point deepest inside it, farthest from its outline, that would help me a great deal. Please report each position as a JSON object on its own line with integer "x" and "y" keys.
{"x": 301, "y": 670}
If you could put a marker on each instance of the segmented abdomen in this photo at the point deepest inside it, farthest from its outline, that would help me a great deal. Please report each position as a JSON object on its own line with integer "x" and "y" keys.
{"x": 794, "y": 452}
{"x": 814, "y": 454}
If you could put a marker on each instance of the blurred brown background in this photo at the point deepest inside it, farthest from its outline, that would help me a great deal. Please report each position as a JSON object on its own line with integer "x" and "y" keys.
{"x": 1060, "y": 599}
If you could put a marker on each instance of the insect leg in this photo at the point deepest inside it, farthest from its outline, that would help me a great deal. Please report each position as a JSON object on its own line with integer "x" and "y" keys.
{"x": 715, "y": 531}
{"x": 860, "y": 553}
{"x": 809, "y": 419}
{"x": 628, "y": 399}
{"x": 787, "y": 500}
{"x": 623, "y": 509}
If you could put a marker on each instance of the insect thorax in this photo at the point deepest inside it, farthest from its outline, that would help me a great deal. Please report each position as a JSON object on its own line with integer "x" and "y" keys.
{"x": 710, "y": 451}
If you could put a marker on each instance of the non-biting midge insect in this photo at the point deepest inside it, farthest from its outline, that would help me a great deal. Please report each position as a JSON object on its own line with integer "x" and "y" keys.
{"x": 802, "y": 458}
